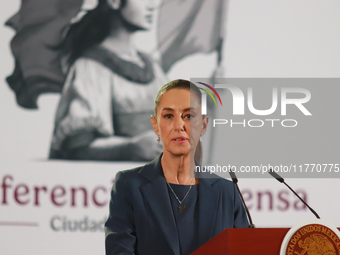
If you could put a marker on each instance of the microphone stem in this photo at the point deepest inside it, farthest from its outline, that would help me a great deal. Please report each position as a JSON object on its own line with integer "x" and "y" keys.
{"x": 251, "y": 225}
{"x": 316, "y": 215}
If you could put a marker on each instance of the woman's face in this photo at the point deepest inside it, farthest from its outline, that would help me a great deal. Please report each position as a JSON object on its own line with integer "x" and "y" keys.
{"x": 179, "y": 121}
{"x": 140, "y": 13}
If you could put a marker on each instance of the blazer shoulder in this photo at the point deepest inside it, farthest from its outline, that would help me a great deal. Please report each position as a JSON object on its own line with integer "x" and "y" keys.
{"x": 129, "y": 174}
{"x": 214, "y": 178}
{"x": 223, "y": 183}
{"x": 227, "y": 182}
{"x": 132, "y": 176}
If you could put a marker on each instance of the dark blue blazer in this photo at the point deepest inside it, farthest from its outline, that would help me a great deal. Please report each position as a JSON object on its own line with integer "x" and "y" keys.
{"x": 141, "y": 219}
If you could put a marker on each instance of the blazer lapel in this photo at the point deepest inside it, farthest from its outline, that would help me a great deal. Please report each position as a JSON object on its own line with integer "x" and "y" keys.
{"x": 208, "y": 202}
{"x": 156, "y": 195}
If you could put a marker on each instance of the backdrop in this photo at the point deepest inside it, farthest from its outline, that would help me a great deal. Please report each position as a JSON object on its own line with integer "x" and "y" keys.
{"x": 58, "y": 207}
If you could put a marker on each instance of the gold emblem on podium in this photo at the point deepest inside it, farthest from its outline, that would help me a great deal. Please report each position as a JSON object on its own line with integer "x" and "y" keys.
{"x": 312, "y": 239}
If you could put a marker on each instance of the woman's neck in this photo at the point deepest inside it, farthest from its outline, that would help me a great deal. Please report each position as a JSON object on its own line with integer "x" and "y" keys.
{"x": 120, "y": 39}
{"x": 120, "y": 42}
{"x": 177, "y": 169}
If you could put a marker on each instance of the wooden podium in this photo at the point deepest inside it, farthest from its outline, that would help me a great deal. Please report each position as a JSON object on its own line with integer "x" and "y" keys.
{"x": 239, "y": 241}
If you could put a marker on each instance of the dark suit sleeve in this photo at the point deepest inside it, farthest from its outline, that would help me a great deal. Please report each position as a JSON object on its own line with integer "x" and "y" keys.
{"x": 120, "y": 235}
{"x": 240, "y": 217}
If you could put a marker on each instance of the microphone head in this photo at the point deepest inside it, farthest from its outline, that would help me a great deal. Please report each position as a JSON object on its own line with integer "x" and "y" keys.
{"x": 275, "y": 175}
{"x": 233, "y": 176}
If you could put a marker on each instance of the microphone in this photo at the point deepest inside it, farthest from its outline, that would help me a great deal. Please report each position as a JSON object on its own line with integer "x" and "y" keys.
{"x": 280, "y": 179}
{"x": 234, "y": 178}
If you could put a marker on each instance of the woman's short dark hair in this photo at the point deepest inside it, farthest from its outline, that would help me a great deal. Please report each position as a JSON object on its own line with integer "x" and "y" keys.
{"x": 176, "y": 84}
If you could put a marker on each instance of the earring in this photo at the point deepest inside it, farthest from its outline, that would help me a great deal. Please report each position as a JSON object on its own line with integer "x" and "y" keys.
{"x": 201, "y": 138}
{"x": 158, "y": 139}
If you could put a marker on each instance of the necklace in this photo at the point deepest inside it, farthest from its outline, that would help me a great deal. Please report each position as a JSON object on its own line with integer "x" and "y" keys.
{"x": 180, "y": 207}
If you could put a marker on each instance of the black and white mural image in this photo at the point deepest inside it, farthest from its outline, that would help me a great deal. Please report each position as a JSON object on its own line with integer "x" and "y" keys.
{"x": 85, "y": 50}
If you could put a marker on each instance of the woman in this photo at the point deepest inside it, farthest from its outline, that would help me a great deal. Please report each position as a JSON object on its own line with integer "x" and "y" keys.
{"x": 110, "y": 86}
{"x": 161, "y": 208}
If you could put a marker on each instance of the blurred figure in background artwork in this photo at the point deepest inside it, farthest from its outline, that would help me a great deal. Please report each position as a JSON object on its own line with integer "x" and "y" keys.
{"x": 108, "y": 94}
{"x": 85, "y": 50}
